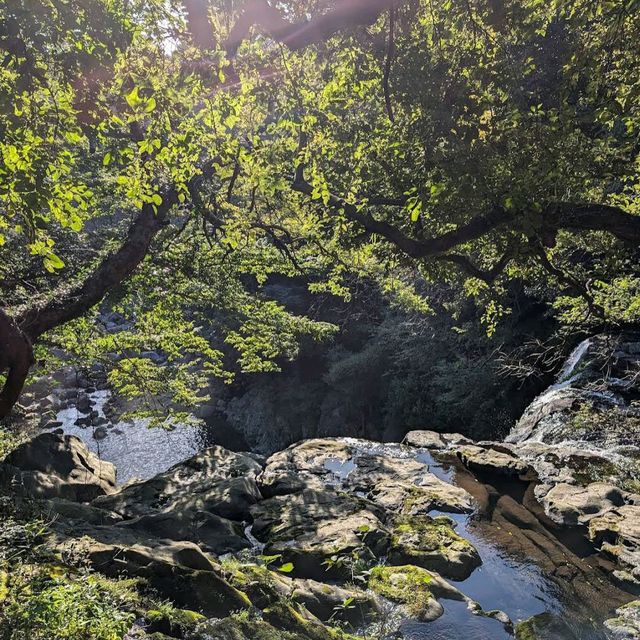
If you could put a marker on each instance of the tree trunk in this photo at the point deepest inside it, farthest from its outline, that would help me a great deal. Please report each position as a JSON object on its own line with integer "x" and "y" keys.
{"x": 16, "y": 357}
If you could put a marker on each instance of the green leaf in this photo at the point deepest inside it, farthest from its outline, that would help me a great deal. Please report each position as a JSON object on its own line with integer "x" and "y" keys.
{"x": 151, "y": 105}
{"x": 133, "y": 99}
{"x": 287, "y": 567}
{"x": 52, "y": 262}
{"x": 156, "y": 199}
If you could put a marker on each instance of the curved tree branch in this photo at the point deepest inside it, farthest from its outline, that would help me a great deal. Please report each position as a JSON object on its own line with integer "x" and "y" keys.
{"x": 269, "y": 20}
{"x": 113, "y": 270}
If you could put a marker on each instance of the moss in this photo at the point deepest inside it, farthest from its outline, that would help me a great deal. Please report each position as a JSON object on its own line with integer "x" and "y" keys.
{"x": 242, "y": 628}
{"x": 240, "y": 574}
{"x": 419, "y": 534}
{"x": 406, "y": 585}
{"x": 9, "y": 440}
{"x": 296, "y": 619}
{"x": 169, "y": 620}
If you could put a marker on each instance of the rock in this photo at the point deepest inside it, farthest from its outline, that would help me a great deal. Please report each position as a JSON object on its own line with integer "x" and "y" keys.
{"x": 154, "y": 356}
{"x": 81, "y": 512}
{"x": 492, "y": 459}
{"x": 55, "y": 466}
{"x": 215, "y": 480}
{"x": 408, "y": 586}
{"x": 327, "y": 601}
{"x": 433, "y": 544}
{"x": 617, "y": 533}
{"x": 434, "y": 439}
{"x": 302, "y": 466}
{"x": 391, "y": 478}
{"x": 544, "y": 626}
{"x": 571, "y": 505}
{"x": 565, "y": 462}
{"x": 100, "y": 433}
{"x": 626, "y": 624}
{"x": 210, "y": 532}
{"x": 295, "y": 626}
{"x": 83, "y": 402}
{"x": 177, "y": 570}
{"x": 266, "y": 587}
{"x": 406, "y": 485}
{"x": 312, "y": 527}
{"x": 83, "y": 422}
{"x": 52, "y": 424}
{"x": 174, "y": 623}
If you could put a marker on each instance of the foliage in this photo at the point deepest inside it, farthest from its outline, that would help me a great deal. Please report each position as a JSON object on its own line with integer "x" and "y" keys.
{"x": 47, "y": 606}
{"x": 288, "y": 164}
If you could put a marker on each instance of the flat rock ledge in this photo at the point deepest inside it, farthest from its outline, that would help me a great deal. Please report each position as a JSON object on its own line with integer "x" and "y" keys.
{"x": 197, "y": 532}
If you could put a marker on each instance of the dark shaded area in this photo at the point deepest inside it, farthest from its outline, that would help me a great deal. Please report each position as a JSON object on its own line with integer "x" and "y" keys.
{"x": 386, "y": 372}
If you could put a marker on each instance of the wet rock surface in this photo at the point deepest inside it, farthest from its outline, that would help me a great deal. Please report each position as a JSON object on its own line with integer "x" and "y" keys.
{"x": 342, "y": 521}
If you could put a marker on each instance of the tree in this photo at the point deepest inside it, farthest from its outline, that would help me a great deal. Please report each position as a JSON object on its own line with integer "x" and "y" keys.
{"x": 475, "y": 142}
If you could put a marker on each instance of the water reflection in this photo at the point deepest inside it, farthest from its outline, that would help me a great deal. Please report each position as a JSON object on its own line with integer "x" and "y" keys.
{"x": 137, "y": 450}
{"x": 457, "y": 622}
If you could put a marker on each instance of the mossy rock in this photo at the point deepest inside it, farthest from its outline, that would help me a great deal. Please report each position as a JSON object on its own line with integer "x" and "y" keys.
{"x": 433, "y": 544}
{"x": 298, "y": 620}
{"x": 544, "y": 626}
{"x": 280, "y": 623}
{"x": 173, "y": 622}
{"x": 408, "y": 586}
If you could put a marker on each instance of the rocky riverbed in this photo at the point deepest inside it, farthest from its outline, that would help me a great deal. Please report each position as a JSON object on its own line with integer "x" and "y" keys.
{"x": 437, "y": 537}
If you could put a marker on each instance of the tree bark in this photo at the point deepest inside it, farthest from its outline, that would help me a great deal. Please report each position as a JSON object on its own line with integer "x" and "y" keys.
{"x": 348, "y": 14}
{"x": 112, "y": 270}
{"x": 16, "y": 357}
{"x": 269, "y": 20}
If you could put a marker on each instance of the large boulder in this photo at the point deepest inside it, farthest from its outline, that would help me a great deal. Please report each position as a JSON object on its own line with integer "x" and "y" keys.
{"x": 311, "y": 527}
{"x": 266, "y": 587}
{"x": 209, "y": 531}
{"x": 57, "y": 466}
{"x": 545, "y": 626}
{"x": 404, "y": 484}
{"x": 410, "y": 587}
{"x": 572, "y": 505}
{"x": 492, "y": 459}
{"x": 434, "y": 439}
{"x": 389, "y": 475}
{"x": 433, "y": 544}
{"x": 617, "y": 532}
{"x": 215, "y": 480}
{"x": 305, "y": 465}
{"x": 203, "y": 500}
{"x": 179, "y": 571}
